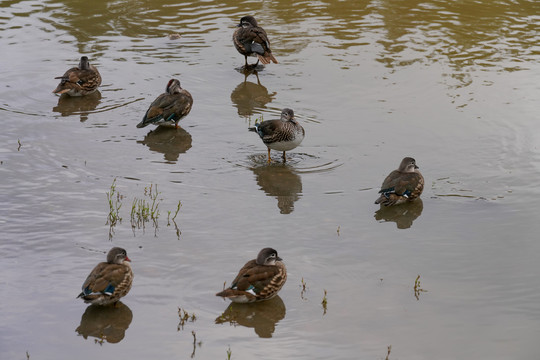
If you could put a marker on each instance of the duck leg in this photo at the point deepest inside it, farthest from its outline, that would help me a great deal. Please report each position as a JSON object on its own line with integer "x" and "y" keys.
{"x": 251, "y": 67}
{"x": 269, "y": 158}
{"x": 284, "y": 157}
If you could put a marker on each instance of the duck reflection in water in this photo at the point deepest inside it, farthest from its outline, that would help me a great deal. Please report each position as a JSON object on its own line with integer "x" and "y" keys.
{"x": 282, "y": 182}
{"x": 81, "y": 105}
{"x": 403, "y": 215}
{"x": 170, "y": 142}
{"x": 248, "y": 96}
{"x": 261, "y": 316}
{"x": 105, "y": 322}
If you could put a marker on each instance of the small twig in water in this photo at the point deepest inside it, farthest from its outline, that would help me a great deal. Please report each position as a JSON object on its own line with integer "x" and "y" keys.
{"x": 303, "y": 289}
{"x": 185, "y": 317}
{"x": 194, "y": 343}
{"x": 101, "y": 339}
{"x": 389, "y": 349}
{"x": 417, "y": 288}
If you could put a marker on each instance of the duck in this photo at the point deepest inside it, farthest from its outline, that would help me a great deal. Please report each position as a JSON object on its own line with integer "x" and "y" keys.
{"x": 108, "y": 281}
{"x": 79, "y": 81}
{"x": 405, "y": 184}
{"x": 170, "y": 107}
{"x": 282, "y": 135}
{"x": 251, "y": 40}
{"x": 258, "y": 280}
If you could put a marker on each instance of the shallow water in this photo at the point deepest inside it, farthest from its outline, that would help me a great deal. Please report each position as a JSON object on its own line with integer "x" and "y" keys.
{"x": 454, "y": 84}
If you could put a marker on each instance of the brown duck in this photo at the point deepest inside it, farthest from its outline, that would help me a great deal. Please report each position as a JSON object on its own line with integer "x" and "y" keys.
{"x": 170, "y": 107}
{"x": 79, "y": 81}
{"x": 259, "y": 279}
{"x": 282, "y": 135}
{"x": 251, "y": 40}
{"x": 109, "y": 281}
{"x": 402, "y": 185}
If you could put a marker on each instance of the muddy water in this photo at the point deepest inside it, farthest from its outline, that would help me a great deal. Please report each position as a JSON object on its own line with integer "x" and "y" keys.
{"x": 454, "y": 84}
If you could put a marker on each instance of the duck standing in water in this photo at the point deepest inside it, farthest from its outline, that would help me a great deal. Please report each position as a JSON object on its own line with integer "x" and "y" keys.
{"x": 251, "y": 40}
{"x": 259, "y": 279}
{"x": 109, "y": 281}
{"x": 170, "y": 107}
{"x": 402, "y": 185}
{"x": 79, "y": 81}
{"x": 282, "y": 135}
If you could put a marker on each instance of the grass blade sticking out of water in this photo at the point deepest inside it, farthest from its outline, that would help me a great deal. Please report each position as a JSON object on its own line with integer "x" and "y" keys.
{"x": 140, "y": 213}
{"x": 143, "y": 210}
{"x": 115, "y": 203}
{"x": 324, "y": 303}
{"x": 178, "y": 232}
{"x": 154, "y": 205}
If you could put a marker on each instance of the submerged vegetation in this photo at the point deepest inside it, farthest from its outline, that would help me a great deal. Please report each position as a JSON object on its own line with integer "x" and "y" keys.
{"x": 144, "y": 210}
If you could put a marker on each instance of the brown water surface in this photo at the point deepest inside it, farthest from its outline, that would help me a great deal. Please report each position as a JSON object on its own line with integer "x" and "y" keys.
{"x": 454, "y": 84}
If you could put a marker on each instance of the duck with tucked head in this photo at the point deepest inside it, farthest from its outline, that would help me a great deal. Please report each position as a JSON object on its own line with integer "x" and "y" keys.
{"x": 251, "y": 40}
{"x": 109, "y": 281}
{"x": 282, "y": 135}
{"x": 170, "y": 107}
{"x": 259, "y": 279}
{"x": 402, "y": 185}
{"x": 79, "y": 81}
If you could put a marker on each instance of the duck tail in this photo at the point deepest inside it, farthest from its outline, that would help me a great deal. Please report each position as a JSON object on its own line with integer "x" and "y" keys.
{"x": 272, "y": 58}
{"x": 267, "y": 58}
